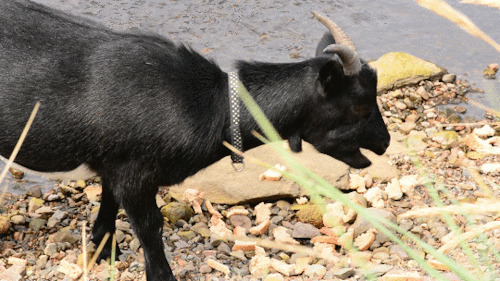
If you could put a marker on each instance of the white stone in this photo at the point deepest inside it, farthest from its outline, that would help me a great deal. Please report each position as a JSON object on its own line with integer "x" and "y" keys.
{"x": 18, "y": 219}
{"x": 357, "y": 182}
{"x": 393, "y": 190}
{"x": 484, "y": 132}
{"x": 262, "y": 212}
{"x": 407, "y": 183}
{"x": 282, "y": 267}
{"x": 400, "y": 105}
{"x": 273, "y": 174}
{"x": 333, "y": 215}
{"x": 316, "y": 271}
{"x": 259, "y": 266}
{"x": 16, "y": 261}
{"x": 431, "y": 115}
{"x": 218, "y": 266}
{"x": 71, "y": 270}
{"x": 375, "y": 196}
{"x": 488, "y": 168}
{"x": 195, "y": 198}
{"x": 302, "y": 200}
{"x": 282, "y": 236}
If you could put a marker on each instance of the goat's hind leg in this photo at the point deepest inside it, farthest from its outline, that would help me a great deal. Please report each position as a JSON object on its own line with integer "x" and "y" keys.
{"x": 105, "y": 222}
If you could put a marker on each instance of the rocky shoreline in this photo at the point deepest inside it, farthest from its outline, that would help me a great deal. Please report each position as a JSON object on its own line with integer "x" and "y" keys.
{"x": 41, "y": 234}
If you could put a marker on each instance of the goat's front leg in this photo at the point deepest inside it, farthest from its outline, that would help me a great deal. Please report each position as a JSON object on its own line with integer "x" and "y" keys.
{"x": 137, "y": 197}
{"x": 105, "y": 221}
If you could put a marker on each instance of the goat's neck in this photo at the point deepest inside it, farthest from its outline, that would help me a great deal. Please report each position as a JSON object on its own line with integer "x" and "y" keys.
{"x": 285, "y": 93}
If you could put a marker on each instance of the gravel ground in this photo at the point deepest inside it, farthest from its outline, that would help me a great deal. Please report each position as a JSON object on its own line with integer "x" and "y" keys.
{"x": 41, "y": 233}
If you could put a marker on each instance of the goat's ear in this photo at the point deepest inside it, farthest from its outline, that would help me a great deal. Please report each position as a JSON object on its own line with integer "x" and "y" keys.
{"x": 332, "y": 78}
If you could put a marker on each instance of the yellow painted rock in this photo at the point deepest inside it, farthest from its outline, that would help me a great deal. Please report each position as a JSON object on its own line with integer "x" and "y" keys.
{"x": 396, "y": 69}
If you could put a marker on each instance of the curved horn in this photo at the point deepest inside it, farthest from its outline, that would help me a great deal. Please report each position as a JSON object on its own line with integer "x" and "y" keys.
{"x": 350, "y": 59}
{"x": 338, "y": 34}
{"x": 344, "y": 46}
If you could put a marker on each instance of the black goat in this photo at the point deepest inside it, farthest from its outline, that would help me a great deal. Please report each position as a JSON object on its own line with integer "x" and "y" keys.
{"x": 141, "y": 111}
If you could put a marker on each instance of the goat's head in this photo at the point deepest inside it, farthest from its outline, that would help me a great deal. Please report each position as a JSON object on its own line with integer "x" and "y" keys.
{"x": 346, "y": 116}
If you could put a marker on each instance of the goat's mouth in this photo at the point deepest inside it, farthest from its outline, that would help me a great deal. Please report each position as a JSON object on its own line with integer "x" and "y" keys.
{"x": 354, "y": 159}
{"x": 377, "y": 149}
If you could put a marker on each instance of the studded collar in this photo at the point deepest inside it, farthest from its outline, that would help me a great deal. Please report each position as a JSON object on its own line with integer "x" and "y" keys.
{"x": 234, "y": 110}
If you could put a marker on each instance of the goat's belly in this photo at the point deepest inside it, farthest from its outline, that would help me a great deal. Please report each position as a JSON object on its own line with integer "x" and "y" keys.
{"x": 82, "y": 172}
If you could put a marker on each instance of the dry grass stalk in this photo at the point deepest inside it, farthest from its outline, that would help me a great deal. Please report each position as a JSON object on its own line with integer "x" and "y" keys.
{"x": 113, "y": 257}
{"x": 453, "y": 242}
{"x": 218, "y": 266}
{"x": 97, "y": 252}
{"x": 249, "y": 158}
{"x": 481, "y": 207}
{"x": 476, "y": 124}
{"x": 484, "y": 107}
{"x": 443, "y": 9}
{"x": 299, "y": 249}
{"x": 489, "y": 3}
{"x": 84, "y": 250}
{"x": 480, "y": 182}
{"x": 17, "y": 148}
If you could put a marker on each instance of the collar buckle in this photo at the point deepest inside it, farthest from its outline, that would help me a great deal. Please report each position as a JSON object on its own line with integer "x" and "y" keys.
{"x": 238, "y": 167}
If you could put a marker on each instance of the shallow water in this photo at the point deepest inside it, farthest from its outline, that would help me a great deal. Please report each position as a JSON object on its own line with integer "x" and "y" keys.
{"x": 233, "y": 29}
{"x": 276, "y": 31}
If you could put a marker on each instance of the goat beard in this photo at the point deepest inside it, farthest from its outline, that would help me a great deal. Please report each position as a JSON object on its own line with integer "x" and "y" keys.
{"x": 295, "y": 143}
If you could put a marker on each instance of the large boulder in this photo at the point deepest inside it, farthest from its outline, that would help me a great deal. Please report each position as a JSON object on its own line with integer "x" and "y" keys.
{"x": 223, "y": 185}
{"x": 396, "y": 69}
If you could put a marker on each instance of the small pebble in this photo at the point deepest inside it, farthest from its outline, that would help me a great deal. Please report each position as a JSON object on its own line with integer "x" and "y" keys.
{"x": 449, "y": 78}
{"x": 344, "y": 273}
{"x": 315, "y": 271}
{"x": 204, "y": 269}
{"x": 17, "y": 219}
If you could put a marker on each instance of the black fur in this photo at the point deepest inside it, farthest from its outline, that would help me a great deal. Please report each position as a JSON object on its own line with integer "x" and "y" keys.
{"x": 142, "y": 111}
